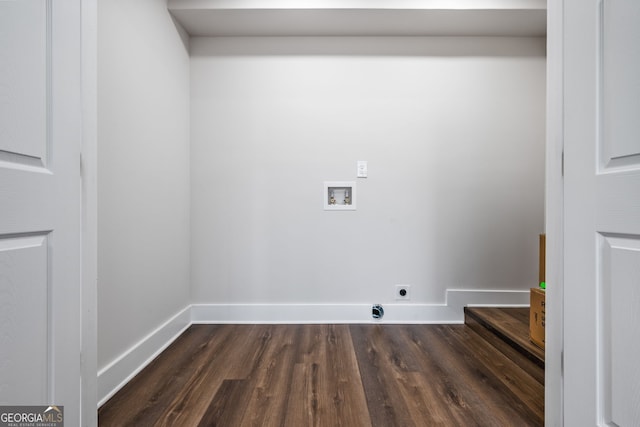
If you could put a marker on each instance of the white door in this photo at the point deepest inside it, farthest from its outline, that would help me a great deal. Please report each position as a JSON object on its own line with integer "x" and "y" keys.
{"x": 602, "y": 212}
{"x": 40, "y": 138}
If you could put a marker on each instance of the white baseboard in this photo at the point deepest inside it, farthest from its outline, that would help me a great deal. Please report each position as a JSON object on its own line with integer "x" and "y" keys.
{"x": 449, "y": 312}
{"x": 321, "y": 313}
{"x": 114, "y": 376}
{"x": 457, "y": 299}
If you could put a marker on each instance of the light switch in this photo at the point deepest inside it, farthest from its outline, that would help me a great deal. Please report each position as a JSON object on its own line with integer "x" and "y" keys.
{"x": 362, "y": 168}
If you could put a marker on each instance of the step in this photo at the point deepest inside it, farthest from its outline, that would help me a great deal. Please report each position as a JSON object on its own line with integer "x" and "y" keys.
{"x": 507, "y": 329}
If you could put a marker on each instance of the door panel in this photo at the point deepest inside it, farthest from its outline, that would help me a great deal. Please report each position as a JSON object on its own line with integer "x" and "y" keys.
{"x": 24, "y": 276}
{"x": 23, "y": 80}
{"x": 40, "y": 139}
{"x": 24, "y": 308}
{"x": 602, "y": 212}
{"x": 619, "y": 386}
{"x": 620, "y": 86}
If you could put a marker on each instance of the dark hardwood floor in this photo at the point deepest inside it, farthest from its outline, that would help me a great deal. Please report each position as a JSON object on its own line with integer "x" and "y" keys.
{"x": 509, "y": 324}
{"x": 507, "y": 329}
{"x": 329, "y": 375}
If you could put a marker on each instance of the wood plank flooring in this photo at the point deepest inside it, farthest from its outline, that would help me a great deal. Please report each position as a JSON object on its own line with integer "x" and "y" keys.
{"x": 507, "y": 329}
{"x": 329, "y": 375}
{"x": 511, "y": 324}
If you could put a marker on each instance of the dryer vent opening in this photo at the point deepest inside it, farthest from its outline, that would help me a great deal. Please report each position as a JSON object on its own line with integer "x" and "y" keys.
{"x": 377, "y": 311}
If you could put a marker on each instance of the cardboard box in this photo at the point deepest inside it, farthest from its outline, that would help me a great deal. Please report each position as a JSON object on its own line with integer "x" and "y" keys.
{"x": 542, "y": 268}
{"x": 537, "y": 317}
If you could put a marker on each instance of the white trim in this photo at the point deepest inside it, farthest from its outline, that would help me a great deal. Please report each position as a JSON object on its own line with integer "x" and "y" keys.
{"x": 89, "y": 232}
{"x": 554, "y": 213}
{"x": 451, "y": 311}
{"x": 457, "y": 299}
{"x": 320, "y": 313}
{"x": 116, "y": 374}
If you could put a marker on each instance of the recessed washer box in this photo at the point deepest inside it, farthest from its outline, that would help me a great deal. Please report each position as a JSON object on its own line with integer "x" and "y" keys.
{"x": 339, "y": 196}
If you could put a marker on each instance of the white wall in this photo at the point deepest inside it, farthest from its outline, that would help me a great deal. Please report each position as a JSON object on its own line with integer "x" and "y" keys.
{"x": 452, "y": 128}
{"x": 143, "y": 178}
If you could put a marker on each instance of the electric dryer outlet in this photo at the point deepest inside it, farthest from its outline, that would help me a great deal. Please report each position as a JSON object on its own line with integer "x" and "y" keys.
{"x": 403, "y": 292}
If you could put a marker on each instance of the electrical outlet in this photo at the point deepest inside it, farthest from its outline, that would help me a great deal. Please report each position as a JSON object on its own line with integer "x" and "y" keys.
{"x": 403, "y": 292}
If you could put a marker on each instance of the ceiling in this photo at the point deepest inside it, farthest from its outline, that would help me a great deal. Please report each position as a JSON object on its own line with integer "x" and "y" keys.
{"x": 517, "y": 18}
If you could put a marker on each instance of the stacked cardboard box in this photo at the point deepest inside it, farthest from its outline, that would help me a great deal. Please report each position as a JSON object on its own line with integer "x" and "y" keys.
{"x": 537, "y": 317}
{"x": 538, "y": 300}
